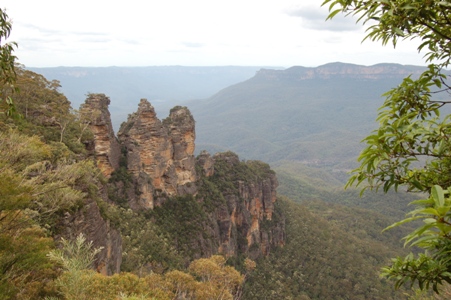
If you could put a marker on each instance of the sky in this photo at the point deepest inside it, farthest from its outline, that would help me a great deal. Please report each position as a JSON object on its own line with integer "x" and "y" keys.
{"x": 279, "y": 33}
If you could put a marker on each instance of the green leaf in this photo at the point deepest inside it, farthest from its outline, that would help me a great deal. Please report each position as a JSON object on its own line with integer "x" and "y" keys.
{"x": 425, "y": 211}
{"x": 438, "y": 195}
{"x": 423, "y": 240}
{"x": 333, "y": 14}
{"x": 402, "y": 222}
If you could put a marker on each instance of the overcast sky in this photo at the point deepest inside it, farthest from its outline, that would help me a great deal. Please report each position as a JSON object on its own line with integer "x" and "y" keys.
{"x": 191, "y": 33}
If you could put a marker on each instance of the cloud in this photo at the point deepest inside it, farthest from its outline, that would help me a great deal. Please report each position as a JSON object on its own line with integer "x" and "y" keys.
{"x": 53, "y": 32}
{"x": 315, "y": 18}
{"x": 132, "y": 42}
{"x": 94, "y": 40}
{"x": 36, "y": 38}
{"x": 192, "y": 44}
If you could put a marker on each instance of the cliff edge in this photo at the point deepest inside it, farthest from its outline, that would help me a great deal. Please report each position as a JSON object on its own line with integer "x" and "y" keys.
{"x": 234, "y": 201}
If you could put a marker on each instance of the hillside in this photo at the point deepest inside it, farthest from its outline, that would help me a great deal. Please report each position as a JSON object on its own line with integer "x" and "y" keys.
{"x": 313, "y": 115}
{"x": 323, "y": 260}
{"x": 161, "y": 215}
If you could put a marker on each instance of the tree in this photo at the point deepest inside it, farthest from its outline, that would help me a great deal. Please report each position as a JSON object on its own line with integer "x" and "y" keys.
{"x": 76, "y": 259}
{"x": 85, "y": 116}
{"x": 218, "y": 281}
{"x": 412, "y": 146}
{"x": 7, "y": 61}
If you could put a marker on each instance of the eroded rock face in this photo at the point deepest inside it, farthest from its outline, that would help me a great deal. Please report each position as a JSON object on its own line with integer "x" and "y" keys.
{"x": 90, "y": 223}
{"x": 180, "y": 125}
{"x": 245, "y": 223}
{"x": 159, "y": 156}
{"x": 206, "y": 162}
{"x": 106, "y": 148}
{"x": 161, "y": 153}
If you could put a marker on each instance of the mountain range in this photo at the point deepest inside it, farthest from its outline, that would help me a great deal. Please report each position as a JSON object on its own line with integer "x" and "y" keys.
{"x": 316, "y": 116}
{"x": 157, "y": 206}
{"x": 163, "y": 86}
{"x": 295, "y": 118}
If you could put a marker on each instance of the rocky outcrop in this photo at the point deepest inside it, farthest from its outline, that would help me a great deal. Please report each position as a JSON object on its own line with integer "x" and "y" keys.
{"x": 180, "y": 125}
{"x": 106, "y": 148}
{"x": 206, "y": 162}
{"x": 247, "y": 222}
{"x": 238, "y": 214}
{"x": 89, "y": 222}
{"x": 160, "y": 155}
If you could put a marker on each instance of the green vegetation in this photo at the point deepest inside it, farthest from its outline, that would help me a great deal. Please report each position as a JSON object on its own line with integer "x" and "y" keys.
{"x": 7, "y": 70}
{"x": 321, "y": 260}
{"x": 47, "y": 176}
{"x": 146, "y": 246}
{"x": 282, "y": 116}
{"x": 334, "y": 248}
{"x": 41, "y": 182}
{"x": 206, "y": 278}
{"x": 411, "y": 147}
{"x": 190, "y": 222}
{"x": 185, "y": 220}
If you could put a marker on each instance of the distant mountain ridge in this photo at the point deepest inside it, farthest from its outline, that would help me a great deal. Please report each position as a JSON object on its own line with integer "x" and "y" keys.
{"x": 342, "y": 70}
{"x": 316, "y": 116}
{"x": 260, "y": 113}
{"x": 163, "y": 86}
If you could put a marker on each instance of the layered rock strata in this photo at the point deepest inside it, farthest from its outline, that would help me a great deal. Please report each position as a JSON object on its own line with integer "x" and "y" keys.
{"x": 160, "y": 155}
{"x": 249, "y": 206}
{"x": 106, "y": 148}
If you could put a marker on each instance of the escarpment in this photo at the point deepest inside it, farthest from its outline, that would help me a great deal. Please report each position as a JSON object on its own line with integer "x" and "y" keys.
{"x": 247, "y": 220}
{"x": 90, "y": 222}
{"x": 207, "y": 205}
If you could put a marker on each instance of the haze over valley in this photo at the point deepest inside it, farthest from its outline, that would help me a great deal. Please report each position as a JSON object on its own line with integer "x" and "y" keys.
{"x": 225, "y": 150}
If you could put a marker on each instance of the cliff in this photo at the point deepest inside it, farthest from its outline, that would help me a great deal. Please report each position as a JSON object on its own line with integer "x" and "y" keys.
{"x": 160, "y": 155}
{"x": 247, "y": 220}
{"x": 231, "y": 203}
{"x": 341, "y": 70}
{"x": 90, "y": 222}
{"x": 106, "y": 147}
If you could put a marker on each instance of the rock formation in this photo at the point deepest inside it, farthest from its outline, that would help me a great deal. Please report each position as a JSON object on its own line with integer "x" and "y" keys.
{"x": 107, "y": 150}
{"x": 89, "y": 221}
{"x": 248, "y": 207}
{"x": 91, "y": 224}
{"x": 159, "y": 156}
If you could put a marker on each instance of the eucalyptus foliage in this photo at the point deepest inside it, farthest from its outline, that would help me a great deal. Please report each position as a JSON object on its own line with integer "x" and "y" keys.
{"x": 7, "y": 61}
{"x": 411, "y": 147}
{"x": 432, "y": 267}
{"x": 75, "y": 257}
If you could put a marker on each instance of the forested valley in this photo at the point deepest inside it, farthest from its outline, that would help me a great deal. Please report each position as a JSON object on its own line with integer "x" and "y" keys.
{"x": 142, "y": 212}
{"x": 50, "y": 179}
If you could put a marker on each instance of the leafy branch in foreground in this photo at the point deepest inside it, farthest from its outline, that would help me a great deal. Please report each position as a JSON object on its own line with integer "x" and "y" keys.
{"x": 412, "y": 146}
{"x": 7, "y": 63}
{"x": 75, "y": 256}
{"x": 433, "y": 267}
